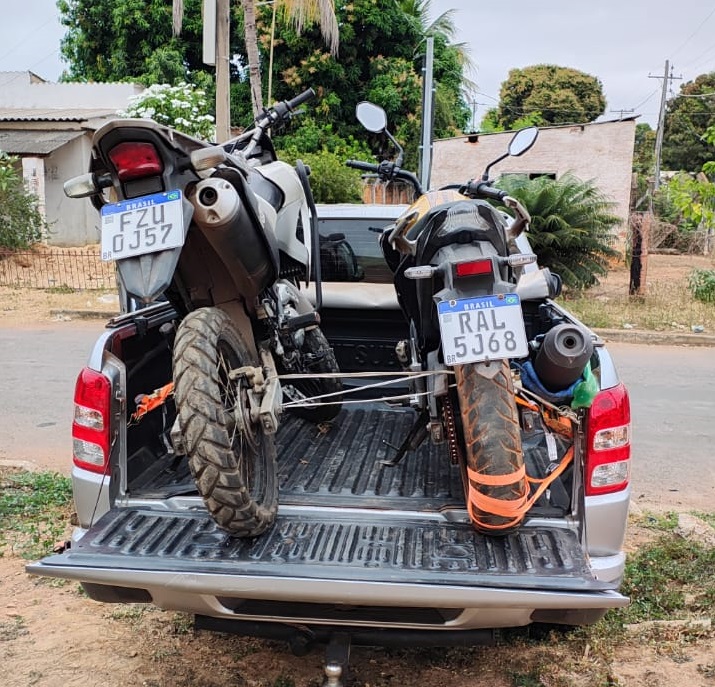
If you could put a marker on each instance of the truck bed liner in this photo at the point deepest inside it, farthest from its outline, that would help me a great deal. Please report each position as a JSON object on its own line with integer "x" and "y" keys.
{"x": 340, "y": 465}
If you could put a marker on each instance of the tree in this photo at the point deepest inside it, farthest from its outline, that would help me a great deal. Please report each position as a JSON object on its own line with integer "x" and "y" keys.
{"x": 556, "y": 95}
{"x": 571, "y": 225}
{"x": 381, "y": 56}
{"x": 21, "y": 223}
{"x": 687, "y": 118}
{"x": 131, "y": 39}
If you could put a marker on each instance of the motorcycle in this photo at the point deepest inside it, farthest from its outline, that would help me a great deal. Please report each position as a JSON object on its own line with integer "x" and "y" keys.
{"x": 225, "y": 233}
{"x": 461, "y": 271}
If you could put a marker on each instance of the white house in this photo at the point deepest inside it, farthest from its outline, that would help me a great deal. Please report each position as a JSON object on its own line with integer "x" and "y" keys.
{"x": 49, "y": 126}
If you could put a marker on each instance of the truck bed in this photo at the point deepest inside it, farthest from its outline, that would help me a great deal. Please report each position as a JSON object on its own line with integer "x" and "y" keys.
{"x": 342, "y": 515}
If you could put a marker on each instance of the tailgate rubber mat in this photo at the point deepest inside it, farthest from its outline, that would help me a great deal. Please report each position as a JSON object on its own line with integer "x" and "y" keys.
{"x": 358, "y": 546}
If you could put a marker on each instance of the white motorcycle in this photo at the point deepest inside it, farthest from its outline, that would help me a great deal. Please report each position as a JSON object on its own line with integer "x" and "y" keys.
{"x": 225, "y": 233}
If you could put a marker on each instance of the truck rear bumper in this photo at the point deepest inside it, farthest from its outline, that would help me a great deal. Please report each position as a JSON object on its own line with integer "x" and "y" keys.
{"x": 398, "y": 570}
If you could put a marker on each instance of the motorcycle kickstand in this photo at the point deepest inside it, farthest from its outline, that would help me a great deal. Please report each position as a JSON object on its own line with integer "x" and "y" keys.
{"x": 337, "y": 658}
{"x": 412, "y": 441}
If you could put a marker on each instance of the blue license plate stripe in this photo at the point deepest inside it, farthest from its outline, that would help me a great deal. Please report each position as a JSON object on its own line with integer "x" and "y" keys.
{"x": 143, "y": 202}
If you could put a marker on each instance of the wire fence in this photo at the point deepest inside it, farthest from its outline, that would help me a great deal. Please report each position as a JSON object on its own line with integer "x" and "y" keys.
{"x": 76, "y": 269}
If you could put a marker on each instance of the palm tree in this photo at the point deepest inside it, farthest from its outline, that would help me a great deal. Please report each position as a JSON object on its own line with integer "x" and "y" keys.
{"x": 300, "y": 13}
{"x": 571, "y": 225}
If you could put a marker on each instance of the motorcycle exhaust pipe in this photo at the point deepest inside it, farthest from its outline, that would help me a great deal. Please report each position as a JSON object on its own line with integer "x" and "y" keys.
{"x": 563, "y": 355}
{"x": 216, "y": 203}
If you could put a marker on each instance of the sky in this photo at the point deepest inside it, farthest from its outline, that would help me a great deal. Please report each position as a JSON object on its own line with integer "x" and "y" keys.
{"x": 622, "y": 42}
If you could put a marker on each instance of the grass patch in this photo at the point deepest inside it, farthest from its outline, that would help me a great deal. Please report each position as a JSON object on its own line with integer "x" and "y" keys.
{"x": 34, "y": 512}
{"x": 668, "y": 306}
{"x": 61, "y": 289}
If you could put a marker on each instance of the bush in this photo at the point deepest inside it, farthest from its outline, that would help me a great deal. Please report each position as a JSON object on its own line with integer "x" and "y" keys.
{"x": 571, "y": 225}
{"x": 325, "y": 152}
{"x": 702, "y": 285}
{"x": 182, "y": 107}
{"x": 21, "y": 223}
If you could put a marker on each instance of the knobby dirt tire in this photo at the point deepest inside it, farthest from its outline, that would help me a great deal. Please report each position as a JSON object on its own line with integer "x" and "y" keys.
{"x": 492, "y": 441}
{"x": 235, "y": 472}
{"x": 316, "y": 347}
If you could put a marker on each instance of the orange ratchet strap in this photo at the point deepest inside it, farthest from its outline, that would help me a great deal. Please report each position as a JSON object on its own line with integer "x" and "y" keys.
{"x": 515, "y": 508}
{"x": 148, "y": 402}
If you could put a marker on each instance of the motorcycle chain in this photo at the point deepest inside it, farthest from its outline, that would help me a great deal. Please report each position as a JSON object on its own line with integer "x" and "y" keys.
{"x": 455, "y": 451}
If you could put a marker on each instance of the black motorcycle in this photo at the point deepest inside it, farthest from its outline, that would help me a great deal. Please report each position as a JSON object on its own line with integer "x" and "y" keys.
{"x": 461, "y": 270}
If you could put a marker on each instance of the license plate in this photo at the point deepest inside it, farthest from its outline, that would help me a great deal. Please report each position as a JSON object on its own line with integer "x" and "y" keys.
{"x": 143, "y": 225}
{"x": 485, "y": 328}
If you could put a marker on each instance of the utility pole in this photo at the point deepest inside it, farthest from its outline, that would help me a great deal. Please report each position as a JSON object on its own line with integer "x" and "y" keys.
{"x": 427, "y": 116}
{"x": 223, "y": 75}
{"x": 667, "y": 78}
{"x": 622, "y": 112}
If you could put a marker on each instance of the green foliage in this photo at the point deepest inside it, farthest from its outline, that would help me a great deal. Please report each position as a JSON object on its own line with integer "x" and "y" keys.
{"x": 21, "y": 223}
{"x": 129, "y": 39}
{"x": 644, "y": 150}
{"x": 381, "y": 47}
{"x": 182, "y": 107}
{"x": 687, "y": 119}
{"x": 571, "y": 225}
{"x": 325, "y": 153}
{"x": 550, "y": 94}
{"x": 701, "y": 284}
{"x": 32, "y": 511}
{"x": 694, "y": 199}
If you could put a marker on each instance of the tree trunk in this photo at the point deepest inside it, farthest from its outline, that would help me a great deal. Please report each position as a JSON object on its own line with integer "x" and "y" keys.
{"x": 254, "y": 67}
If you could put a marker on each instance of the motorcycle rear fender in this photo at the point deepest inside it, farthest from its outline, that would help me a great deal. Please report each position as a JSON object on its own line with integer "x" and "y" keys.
{"x": 146, "y": 277}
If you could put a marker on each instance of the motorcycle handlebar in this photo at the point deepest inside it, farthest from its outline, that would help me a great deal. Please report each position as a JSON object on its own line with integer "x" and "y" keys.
{"x": 481, "y": 189}
{"x": 364, "y": 166}
{"x": 301, "y": 98}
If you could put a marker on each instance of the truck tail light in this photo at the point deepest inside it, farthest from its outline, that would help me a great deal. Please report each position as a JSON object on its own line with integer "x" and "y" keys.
{"x": 473, "y": 268}
{"x": 90, "y": 427}
{"x": 608, "y": 451}
{"x": 135, "y": 160}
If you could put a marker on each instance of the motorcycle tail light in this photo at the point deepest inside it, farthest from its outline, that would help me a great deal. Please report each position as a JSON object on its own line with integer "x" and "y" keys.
{"x": 608, "y": 435}
{"x": 135, "y": 160}
{"x": 90, "y": 427}
{"x": 473, "y": 268}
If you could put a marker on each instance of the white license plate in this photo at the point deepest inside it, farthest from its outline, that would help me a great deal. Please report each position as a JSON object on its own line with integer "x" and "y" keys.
{"x": 143, "y": 225}
{"x": 485, "y": 328}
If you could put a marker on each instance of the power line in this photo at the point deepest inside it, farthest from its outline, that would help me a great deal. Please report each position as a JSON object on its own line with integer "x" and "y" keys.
{"x": 700, "y": 25}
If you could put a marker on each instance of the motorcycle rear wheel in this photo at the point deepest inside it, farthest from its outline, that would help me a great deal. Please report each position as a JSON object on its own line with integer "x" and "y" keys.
{"x": 492, "y": 442}
{"x": 232, "y": 461}
{"x": 316, "y": 356}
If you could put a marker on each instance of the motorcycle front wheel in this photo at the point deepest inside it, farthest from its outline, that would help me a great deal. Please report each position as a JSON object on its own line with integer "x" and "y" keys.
{"x": 495, "y": 482}
{"x": 315, "y": 356}
{"x": 232, "y": 461}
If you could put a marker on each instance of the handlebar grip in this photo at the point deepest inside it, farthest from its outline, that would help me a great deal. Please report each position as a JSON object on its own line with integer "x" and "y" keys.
{"x": 301, "y": 98}
{"x": 364, "y": 166}
{"x": 483, "y": 190}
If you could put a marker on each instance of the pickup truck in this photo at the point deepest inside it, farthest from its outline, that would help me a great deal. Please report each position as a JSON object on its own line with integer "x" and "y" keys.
{"x": 361, "y": 552}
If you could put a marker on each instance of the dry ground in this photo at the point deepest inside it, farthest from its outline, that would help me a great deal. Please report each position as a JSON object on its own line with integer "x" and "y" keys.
{"x": 51, "y": 635}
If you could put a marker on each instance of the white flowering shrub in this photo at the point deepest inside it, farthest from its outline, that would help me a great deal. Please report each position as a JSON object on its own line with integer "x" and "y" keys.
{"x": 182, "y": 107}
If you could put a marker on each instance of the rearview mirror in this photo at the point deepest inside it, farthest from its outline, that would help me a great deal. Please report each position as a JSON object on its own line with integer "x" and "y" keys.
{"x": 523, "y": 140}
{"x": 371, "y": 116}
